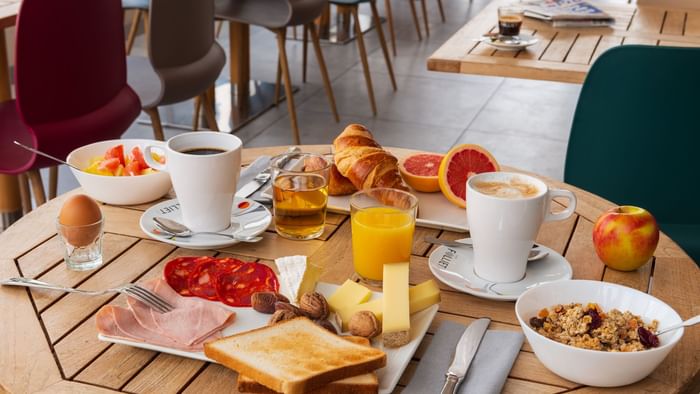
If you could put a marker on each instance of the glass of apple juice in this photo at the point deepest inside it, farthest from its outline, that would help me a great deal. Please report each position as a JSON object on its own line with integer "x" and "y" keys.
{"x": 300, "y": 194}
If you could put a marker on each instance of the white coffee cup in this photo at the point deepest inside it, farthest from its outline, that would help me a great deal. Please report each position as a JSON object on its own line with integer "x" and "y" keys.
{"x": 204, "y": 183}
{"x": 504, "y": 226}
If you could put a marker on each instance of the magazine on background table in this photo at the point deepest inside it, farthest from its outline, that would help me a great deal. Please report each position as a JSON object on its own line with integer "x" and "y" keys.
{"x": 568, "y": 13}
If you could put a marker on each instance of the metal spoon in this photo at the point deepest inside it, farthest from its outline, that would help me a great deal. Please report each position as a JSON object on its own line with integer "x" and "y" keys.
{"x": 535, "y": 253}
{"x": 180, "y": 230}
{"x": 690, "y": 322}
{"x": 40, "y": 153}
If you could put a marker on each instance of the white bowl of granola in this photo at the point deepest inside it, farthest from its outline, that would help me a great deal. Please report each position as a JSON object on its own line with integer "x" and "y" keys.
{"x": 565, "y": 321}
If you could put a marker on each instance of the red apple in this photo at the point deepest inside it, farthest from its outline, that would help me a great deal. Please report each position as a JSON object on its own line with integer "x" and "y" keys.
{"x": 625, "y": 237}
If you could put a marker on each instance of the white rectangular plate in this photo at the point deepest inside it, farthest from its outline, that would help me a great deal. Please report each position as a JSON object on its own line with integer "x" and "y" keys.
{"x": 247, "y": 319}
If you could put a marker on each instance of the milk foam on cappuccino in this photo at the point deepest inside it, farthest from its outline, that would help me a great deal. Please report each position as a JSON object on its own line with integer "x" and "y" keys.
{"x": 512, "y": 189}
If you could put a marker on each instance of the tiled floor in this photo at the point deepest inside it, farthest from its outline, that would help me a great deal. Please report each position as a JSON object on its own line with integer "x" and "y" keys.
{"x": 523, "y": 123}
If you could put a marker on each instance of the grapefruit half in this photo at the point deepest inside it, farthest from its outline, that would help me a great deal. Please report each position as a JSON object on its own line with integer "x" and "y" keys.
{"x": 420, "y": 171}
{"x": 459, "y": 164}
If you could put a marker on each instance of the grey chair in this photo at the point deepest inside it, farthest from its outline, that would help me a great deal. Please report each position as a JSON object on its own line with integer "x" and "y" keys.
{"x": 277, "y": 15}
{"x": 140, "y": 8}
{"x": 183, "y": 60}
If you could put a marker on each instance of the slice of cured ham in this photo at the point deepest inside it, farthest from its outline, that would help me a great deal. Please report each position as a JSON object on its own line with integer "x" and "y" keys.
{"x": 191, "y": 321}
{"x": 187, "y": 327}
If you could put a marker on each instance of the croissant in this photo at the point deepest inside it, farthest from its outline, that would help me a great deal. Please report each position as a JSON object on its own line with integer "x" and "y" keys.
{"x": 338, "y": 185}
{"x": 362, "y": 160}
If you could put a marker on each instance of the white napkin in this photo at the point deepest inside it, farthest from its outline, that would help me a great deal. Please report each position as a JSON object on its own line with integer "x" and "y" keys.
{"x": 488, "y": 371}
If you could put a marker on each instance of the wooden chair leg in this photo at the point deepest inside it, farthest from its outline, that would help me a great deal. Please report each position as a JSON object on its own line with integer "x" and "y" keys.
{"x": 442, "y": 11}
{"x": 363, "y": 56}
{"x": 425, "y": 18}
{"x": 390, "y": 20}
{"x": 133, "y": 29}
{"x": 278, "y": 82}
{"x": 197, "y": 113}
{"x": 415, "y": 19}
{"x": 209, "y": 112}
{"x": 382, "y": 41}
{"x": 322, "y": 65}
{"x": 305, "y": 50}
{"x": 53, "y": 182}
{"x": 37, "y": 187}
{"x": 146, "y": 27}
{"x": 25, "y": 194}
{"x": 219, "y": 25}
{"x": 281, "y": 33}
{"x": 155, "y": 122}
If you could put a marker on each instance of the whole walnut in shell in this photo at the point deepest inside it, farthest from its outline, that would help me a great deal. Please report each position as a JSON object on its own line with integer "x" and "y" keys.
{"x": 364, "y": 324}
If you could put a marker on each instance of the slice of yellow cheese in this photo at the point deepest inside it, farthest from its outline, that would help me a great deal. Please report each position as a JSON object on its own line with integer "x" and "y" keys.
{"x": 349, "y": 294}
{"x": 420, "y": 297}
{"x": 396, "y": 325}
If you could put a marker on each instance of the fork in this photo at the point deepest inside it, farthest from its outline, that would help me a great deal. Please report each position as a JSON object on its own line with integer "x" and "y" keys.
{"x": 134, "y": 290}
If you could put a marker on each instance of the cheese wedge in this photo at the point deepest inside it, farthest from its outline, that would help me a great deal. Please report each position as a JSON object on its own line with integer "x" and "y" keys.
{"x": 420, "y": 297}
{"x": 349, "y": 294}
{"x": 309, "y": 280}
{"x": 396, "y": 325}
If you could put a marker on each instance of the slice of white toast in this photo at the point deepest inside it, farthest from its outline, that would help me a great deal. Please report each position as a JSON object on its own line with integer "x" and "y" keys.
{"x": 295, "y": 356}
{"x": 366, "y": 383}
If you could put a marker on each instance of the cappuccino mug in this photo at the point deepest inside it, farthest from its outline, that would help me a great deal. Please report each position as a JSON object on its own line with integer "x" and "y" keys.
{"x": 505, "y": 211}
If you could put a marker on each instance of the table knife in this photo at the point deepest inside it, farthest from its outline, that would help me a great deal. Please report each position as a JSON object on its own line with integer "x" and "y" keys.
{"x": 464, "y": 354}
{"x": 251, "y": 187}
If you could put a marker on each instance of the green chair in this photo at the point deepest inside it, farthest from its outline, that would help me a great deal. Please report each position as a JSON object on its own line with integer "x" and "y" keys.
{"x": 635, "y": 138}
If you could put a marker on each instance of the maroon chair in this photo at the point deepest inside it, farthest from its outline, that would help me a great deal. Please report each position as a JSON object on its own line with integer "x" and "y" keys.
{"x": 70, "y": 83}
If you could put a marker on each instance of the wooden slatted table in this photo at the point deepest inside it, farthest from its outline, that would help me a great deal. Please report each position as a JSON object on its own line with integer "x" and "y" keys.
{"x": 563, "y": 54}
{"x": 48, "y": 340}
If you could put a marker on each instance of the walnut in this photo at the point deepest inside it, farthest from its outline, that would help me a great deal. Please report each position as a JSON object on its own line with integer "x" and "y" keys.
{"x": 364, "y": 324}
{"x": 314, "y": 305}
{"x": 286, "y": 306}
{"x": 280, "y": 316}
{"x": 327, "y": 325}
{"x": 264, "y": 301}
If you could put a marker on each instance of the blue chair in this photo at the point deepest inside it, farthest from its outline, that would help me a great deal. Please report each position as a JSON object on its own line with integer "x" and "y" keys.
{"x": 635, "y": 135}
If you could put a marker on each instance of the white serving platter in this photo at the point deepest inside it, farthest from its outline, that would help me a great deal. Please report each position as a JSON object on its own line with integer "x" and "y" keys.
{"x": 247, "y": 319}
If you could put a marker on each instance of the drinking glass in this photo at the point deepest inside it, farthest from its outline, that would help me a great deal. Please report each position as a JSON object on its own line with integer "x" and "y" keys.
{"x": 300, "y": 194}
{"x": 82, "y": 245}
{"x": 510, "y": 19}
{"x": 382, "y": 221}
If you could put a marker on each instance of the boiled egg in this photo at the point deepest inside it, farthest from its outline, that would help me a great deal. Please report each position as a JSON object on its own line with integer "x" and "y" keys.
{"x": 79, "y": 216}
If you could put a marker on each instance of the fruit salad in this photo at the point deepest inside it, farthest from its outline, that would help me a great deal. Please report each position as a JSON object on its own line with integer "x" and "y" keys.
{"x": 116, "y": 163}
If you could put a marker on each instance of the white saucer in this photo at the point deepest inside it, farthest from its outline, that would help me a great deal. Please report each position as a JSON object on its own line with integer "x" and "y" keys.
{"x": 513, "y": 44}
{"x": 455, "y": 268}
{"x": 245, "y": 212}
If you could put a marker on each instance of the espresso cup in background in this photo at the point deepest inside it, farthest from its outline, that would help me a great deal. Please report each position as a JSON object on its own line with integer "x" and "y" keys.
{"x": 505, "y": 211}
{"x": 204, "y": 168}
{"x": 510, "y": 19}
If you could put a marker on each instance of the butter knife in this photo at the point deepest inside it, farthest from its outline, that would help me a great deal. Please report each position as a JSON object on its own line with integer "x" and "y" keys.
{"x": 262, "y": 177}
{"x": 464, "y": 354}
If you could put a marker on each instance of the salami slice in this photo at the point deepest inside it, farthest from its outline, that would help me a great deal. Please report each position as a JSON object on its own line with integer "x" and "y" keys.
{"x": 177, "y": 273}
{"x": 235, "y": 287}
{"x": 202, "y": 280}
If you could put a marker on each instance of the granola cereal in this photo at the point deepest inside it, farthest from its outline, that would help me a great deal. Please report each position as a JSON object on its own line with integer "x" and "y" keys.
{"x": 588, "y": 327}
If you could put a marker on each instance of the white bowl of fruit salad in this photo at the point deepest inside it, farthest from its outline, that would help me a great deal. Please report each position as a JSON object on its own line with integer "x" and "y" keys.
{"x": 114, "y": 172}
{"x": 597, "y": 333}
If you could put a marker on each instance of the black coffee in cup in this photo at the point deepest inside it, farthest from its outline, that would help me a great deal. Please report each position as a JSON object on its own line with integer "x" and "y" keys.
{"x": 509, "y": 25}
{"x": 203, "y": 151}
{"x": 510, "y": 19}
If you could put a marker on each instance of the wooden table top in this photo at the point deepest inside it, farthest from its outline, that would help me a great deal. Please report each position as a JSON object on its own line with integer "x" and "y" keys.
{"x": 563, "y": 54}
{"x": 8, "y": 12}
{"x": 49, "y": 341}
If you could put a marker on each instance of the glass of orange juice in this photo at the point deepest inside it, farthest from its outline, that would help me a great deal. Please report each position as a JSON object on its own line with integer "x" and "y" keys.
{"x": 382, "y": 222}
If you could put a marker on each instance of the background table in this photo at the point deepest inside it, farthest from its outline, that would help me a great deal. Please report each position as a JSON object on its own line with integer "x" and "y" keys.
{"x": 49, "y": 340}
{"x": 563, "y": 54}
